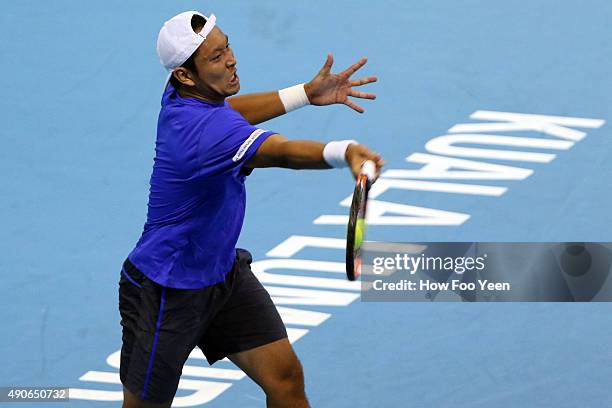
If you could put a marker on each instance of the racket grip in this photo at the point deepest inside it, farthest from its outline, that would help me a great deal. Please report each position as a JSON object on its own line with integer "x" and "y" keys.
{"x": 368, "y": 168}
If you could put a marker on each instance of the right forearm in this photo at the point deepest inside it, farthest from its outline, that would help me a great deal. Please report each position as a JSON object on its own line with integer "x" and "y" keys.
{"x": 278, "y": 151}
{"x": 302, "y": 154}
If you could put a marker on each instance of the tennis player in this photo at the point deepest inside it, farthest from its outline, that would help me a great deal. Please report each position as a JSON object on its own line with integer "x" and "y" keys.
{"x": 185, "y": 284}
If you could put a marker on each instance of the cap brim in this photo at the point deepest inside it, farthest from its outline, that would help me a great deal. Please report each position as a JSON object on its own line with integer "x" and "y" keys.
{"x": 167, "y": 80}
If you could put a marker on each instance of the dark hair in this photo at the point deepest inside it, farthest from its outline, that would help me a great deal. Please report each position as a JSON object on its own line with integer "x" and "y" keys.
{"x": 197, "y": 24}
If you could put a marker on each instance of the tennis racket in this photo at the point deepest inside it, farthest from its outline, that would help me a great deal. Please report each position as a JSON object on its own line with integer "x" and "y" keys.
{"x": 355, "y": 233}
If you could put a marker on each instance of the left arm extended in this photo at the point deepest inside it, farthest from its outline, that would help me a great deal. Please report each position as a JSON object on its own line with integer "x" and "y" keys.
{"x": 325, "y": 88}
{"x": 258, "y": 107}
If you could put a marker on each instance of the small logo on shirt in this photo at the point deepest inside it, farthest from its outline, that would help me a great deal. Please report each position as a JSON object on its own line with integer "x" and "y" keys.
{"x": 247, "y": 143}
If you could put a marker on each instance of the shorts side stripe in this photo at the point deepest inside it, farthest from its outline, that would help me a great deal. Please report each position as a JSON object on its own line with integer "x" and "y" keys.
{"x": 155, "y": 338}
{"x": 128, "y": 277}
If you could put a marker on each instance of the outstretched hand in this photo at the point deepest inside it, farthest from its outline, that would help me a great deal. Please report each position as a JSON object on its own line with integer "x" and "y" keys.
{"x": 327, "y": 88}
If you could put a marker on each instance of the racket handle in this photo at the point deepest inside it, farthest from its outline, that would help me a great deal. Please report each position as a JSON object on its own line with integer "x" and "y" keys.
{"x": 368, "y": 168}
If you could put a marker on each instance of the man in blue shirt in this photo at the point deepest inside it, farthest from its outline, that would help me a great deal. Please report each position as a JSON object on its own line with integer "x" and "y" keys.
{"x": 185, "y": 284}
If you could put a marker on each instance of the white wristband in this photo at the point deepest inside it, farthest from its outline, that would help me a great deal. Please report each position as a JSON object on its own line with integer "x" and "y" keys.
{"x": 334, "y": 152}
{"x": 293, "y": 97}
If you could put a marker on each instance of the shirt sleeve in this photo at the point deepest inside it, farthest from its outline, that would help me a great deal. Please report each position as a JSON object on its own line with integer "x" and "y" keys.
{"x": 227, "y": 141}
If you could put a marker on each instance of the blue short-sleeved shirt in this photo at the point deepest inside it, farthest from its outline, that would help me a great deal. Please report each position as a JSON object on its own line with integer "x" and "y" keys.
{"x": 197, "y": 196}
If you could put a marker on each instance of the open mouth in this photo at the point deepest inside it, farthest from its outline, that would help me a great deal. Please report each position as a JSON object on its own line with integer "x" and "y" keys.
{"x": 234, "y": 79}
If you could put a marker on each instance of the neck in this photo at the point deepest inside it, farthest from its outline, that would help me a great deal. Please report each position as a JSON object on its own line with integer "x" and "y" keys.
{"x": 193, "y": 93}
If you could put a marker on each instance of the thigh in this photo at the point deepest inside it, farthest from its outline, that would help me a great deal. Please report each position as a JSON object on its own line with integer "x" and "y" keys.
{"x": 270, "y": 364}
{"x": 248, "y": 318}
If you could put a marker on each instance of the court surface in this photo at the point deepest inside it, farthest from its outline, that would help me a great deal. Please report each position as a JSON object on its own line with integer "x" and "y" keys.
{"x": 82, "y": 85}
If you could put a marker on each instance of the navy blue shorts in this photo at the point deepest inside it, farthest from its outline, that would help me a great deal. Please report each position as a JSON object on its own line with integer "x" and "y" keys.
{"x": 161, "y": 326}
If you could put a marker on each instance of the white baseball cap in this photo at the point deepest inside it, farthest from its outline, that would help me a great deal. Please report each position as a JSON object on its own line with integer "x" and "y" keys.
{"x": 177, "y": 41}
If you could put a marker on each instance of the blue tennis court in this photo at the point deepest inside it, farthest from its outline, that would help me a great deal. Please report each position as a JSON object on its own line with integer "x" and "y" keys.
{"x": 82, "y": 86}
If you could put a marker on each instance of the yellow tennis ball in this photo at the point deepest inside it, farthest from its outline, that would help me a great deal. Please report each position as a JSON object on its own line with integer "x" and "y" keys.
{"x": 360, "y": 228}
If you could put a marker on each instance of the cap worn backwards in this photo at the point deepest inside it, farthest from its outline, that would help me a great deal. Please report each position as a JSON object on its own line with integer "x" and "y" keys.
{"x": 177, "y": 41}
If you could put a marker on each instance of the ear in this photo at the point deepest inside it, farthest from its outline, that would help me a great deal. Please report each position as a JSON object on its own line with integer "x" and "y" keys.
{"x": 184, "y": 76}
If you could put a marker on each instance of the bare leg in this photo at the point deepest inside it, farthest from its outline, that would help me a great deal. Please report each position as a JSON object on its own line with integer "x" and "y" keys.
{"x": 277, "y": 370}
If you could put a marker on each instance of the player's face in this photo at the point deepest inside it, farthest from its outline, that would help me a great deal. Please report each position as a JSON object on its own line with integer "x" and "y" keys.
{"x": 217, "y": 77}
